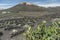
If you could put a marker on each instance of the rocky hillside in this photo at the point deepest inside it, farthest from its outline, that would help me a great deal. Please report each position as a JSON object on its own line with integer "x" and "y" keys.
{"x": 26, "y": 7}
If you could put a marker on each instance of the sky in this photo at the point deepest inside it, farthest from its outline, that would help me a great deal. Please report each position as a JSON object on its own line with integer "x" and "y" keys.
{"x": 46, "y": 3}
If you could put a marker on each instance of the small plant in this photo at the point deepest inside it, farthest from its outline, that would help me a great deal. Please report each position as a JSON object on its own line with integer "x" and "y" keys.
{"x": 42, "y": 32}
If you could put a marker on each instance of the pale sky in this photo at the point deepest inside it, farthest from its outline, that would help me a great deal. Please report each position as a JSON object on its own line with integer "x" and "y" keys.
{"x": 46, "y": 3}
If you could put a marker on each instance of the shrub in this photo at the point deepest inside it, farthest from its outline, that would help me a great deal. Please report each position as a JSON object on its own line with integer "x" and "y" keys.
{"x": 52, "y": 32}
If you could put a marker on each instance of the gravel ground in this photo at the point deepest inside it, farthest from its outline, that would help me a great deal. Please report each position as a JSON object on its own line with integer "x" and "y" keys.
{"x": 6, "y": 36}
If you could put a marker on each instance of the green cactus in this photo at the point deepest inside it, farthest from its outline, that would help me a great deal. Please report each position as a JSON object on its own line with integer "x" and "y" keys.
{"x": 52, "y": 32}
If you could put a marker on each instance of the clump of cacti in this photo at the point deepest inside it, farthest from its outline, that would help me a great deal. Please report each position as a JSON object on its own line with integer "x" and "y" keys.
{"x": 42, "y": 32}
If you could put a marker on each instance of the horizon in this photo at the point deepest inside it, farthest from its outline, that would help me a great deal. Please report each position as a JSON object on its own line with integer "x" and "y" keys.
{"x": 4, "y": 4}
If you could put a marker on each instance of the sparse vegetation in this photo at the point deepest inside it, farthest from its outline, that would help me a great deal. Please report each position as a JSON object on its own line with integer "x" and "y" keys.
{"x": 18, "y": 16}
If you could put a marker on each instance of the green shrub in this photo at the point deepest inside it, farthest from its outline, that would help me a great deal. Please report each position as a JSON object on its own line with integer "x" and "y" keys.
{"x": 52, "y": 32}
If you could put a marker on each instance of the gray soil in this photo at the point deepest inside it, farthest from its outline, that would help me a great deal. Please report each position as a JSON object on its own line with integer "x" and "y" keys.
{"x": 6, "y": 36}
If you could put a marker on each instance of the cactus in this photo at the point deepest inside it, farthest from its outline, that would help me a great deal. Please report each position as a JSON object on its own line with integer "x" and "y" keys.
{"x": 52, "y": 32}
